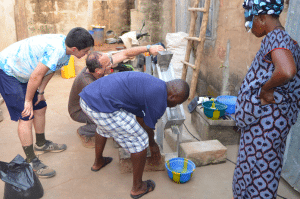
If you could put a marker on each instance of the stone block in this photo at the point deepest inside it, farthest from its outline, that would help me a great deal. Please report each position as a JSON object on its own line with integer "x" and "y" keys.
{"x": 203, "y": 152}
{"x": 208, "y": 129}
{"x": 171, "y": 138}
{"x": 126, "y": 164}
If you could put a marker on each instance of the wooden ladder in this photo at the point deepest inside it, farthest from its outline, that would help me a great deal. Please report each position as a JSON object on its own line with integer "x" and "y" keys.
{"x": 200, "y": 47}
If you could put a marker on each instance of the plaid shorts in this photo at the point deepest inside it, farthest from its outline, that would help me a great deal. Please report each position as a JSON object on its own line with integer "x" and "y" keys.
{"x": 122, "y": 126}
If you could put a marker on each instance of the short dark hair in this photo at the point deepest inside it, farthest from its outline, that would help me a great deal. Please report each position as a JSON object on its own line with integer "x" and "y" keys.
{"x": 92, "y": 61}
{"x": 79, "y": 38}
{"x": 179, "y": 87}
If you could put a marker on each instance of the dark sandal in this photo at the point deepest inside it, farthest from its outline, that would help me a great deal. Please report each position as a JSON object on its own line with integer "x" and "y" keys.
{"x": 107, "y": 160}
{"x": 150, "y": 184}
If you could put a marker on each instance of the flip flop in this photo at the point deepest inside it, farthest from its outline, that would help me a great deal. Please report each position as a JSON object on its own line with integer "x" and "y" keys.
{"x": 150, "y": 184}
{"x": 107, "y": 161}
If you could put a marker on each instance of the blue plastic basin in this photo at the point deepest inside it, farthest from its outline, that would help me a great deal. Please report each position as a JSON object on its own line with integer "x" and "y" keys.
{"x": 228, "y": 100}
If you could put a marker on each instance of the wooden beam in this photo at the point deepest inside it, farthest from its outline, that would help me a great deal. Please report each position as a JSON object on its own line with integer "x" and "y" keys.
{"x": 197, "y": 9}
{"x": 194, "y": 16}
{"x": 200, "y": 48}
{"x": 190, "y": 65}
{"x": 193, "y": 38}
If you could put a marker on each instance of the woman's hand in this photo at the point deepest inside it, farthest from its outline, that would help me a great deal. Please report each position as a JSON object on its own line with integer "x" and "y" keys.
{"x": 267, "y": 96}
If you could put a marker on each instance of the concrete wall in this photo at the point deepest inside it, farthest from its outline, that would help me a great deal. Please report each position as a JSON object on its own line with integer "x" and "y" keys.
{"x": 113, "y": 14}
{"x": 292, "y": 23}
{"x": 7, "y": 23}
{"x": 60, "y": 16}
{"x": 228, "y": 55}
{"x": 157, "y": 15}
{"x": 55, "y": 16}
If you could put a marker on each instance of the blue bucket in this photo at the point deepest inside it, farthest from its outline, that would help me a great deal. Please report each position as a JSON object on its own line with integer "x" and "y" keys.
{"x": 91, "y": 32}
{"x": 98, "y": 36}
{"x": 228, "y": 100}
{"x": 180, "y": 170}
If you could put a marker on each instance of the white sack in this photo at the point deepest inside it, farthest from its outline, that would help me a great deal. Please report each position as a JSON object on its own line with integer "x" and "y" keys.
{"x": 176, "y": 43}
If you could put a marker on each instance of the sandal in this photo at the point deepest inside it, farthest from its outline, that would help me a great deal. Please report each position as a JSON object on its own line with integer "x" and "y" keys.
{"x": 107, "y": 160}
{"x": 150, "y": 184}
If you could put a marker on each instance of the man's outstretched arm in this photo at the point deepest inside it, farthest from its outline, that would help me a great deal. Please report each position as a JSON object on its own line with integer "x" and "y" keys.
{"x": 132, "y": 52}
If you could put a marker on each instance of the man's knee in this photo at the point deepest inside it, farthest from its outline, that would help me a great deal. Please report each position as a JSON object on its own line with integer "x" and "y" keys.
{"x": 40, "y": 112}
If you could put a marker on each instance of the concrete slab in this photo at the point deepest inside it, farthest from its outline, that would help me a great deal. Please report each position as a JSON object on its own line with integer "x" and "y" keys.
{"x": 171, "y": 138}
{"x": 126, "y": 164}
{"x": 204, "y": 152}
{"x": 221, "y": 130}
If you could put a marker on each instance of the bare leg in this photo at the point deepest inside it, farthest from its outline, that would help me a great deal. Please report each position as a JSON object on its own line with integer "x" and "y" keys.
{"x": 100, "y": 142}
{"x": 138, "y": 163}
{"x": 39, "y": 120}
{"x": 25, "y": 132}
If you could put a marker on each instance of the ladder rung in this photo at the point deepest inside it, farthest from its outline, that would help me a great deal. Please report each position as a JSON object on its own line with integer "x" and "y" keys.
{"x": 190, "y": 65}
{"x": 197, "y": 9}
{"x": 193, "y": 38}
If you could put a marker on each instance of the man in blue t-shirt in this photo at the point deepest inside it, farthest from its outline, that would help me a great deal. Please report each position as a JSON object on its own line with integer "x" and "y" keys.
{"x": 126, "y": 106}
{"x": 89, "y": 74}
{"x": 25, "y": 69}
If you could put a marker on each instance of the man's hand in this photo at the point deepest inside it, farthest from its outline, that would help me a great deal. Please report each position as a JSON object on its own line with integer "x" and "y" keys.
{"x": 155, "y": 49}
{"x": 155, "y": 154}
{"x": 40, "y": 98}
{"x": 267, "y": 96}
{"x": 28, "y": 109}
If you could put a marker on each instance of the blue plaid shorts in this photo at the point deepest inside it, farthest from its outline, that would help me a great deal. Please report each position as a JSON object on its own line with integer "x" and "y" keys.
{"x": 120, "y": 125}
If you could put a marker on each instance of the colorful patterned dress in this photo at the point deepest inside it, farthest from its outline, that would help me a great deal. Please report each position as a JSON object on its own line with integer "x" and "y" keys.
{"x": 264, "y": 128}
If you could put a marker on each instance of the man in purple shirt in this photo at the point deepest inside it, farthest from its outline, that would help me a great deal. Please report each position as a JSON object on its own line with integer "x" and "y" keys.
{"x": 126, "y": 106}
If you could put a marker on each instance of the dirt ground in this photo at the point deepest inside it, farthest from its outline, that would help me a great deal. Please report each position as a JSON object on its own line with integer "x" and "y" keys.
{"x": 74, "y": 177}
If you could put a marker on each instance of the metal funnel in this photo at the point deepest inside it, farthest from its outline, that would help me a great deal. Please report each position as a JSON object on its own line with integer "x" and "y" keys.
{"x": 164, "y": 59}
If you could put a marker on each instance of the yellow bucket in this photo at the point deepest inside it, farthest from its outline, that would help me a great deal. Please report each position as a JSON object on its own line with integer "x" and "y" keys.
{"x": 68, "y": 71}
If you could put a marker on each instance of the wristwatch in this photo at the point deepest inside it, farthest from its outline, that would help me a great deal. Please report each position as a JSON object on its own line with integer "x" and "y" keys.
{"x": 110, "y": 58}
{"x": 148, "y": 48}
{"x": 40, "y": 93}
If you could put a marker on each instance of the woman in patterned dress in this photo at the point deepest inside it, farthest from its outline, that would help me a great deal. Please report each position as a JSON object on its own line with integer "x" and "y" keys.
{"x": 267, "y": 104}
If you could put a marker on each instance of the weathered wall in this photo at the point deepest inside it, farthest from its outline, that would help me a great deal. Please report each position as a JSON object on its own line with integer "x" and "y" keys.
{"x": 55, "y": 16}
{"x": 113, "y": 14}
{"x": 157, "y": 15}
{"x": 60, "y": 16}
{"x": 231, "y": 42}
{"x": 7, "y": 23}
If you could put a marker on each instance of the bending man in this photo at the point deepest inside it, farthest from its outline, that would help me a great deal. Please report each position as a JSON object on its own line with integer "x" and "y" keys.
{"x": 126, "y": 106}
